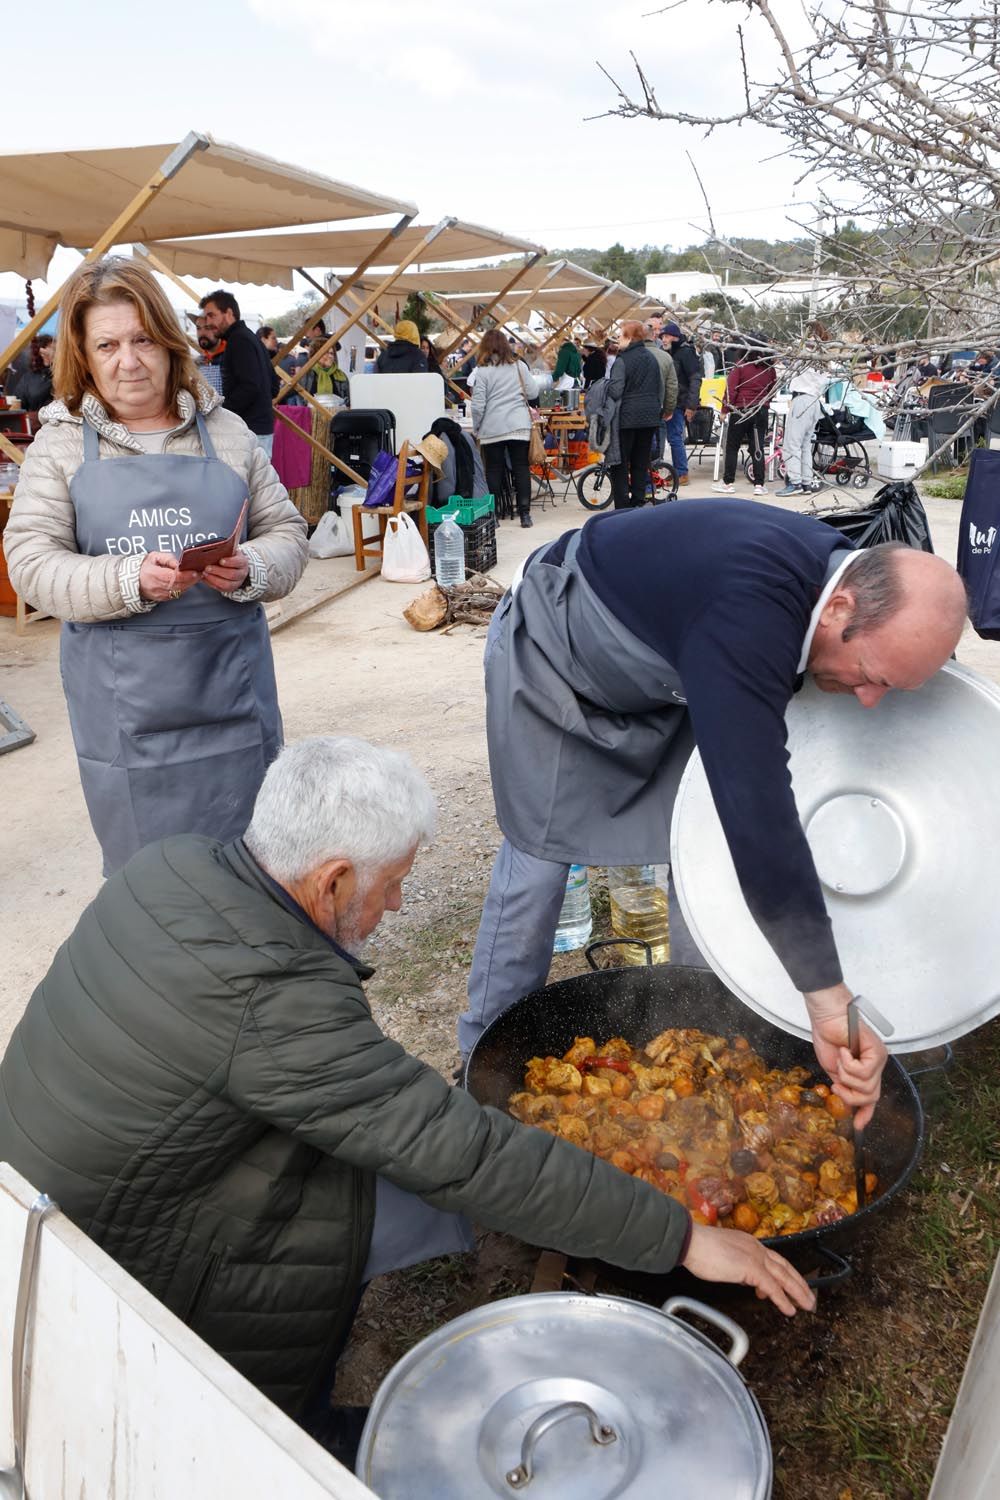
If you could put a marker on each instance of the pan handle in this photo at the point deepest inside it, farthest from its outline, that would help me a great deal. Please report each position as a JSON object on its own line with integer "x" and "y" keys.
{"x": 944, "y": 1061}
{"x": 739, "y": 1344}
{"x": 602, "y": 1434}
{"x": 592, "y": 948}
{"x": 842, "y": 1269}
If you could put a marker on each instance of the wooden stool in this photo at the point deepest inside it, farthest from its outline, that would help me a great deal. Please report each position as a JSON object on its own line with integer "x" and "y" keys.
{"x": 416, "y": 506}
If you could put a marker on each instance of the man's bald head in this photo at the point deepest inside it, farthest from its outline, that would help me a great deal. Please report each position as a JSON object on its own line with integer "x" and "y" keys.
{"x": 893, "y": 620}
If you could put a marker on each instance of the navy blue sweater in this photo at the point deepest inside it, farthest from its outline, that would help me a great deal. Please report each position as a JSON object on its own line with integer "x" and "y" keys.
{"x": 723, "y": 590}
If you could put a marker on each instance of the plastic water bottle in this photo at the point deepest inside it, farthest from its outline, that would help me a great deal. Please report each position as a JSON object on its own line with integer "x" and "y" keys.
{"x": 575, "y": 920}
{"x": 639, "y": 909}
{"x": 449, "y": 554}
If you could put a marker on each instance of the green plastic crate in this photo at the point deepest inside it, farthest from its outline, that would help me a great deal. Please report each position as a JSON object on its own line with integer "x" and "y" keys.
{"x": 462, "y": 510}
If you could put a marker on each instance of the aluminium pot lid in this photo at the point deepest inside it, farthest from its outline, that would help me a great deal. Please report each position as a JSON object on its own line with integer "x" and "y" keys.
{"x": 901, "y": 808}
{"x": 617, "y": 1401}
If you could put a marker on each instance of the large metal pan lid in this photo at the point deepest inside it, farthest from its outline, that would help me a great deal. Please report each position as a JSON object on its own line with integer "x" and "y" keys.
{"x": 560, "y": 1395}
{"x": 901, "y": 807}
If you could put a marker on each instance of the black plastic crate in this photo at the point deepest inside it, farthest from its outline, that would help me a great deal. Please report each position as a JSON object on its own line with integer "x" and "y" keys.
{"x": 480, "y": 544}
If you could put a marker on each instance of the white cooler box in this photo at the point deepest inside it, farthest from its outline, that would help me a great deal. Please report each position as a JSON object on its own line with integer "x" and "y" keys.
{"x": 899, "y": 460}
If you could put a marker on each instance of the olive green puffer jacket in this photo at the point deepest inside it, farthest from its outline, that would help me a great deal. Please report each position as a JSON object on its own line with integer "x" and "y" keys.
{"x": 199, "y": 1083}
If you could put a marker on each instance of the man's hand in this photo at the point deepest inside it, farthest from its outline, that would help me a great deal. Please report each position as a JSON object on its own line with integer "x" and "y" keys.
{"x": 856, "y": 1080}
{"x": 731, "y": 1255}
{"x": 160, "y": 579}
{"x": 227, "y": 575}
{"x": 691, "y": 413}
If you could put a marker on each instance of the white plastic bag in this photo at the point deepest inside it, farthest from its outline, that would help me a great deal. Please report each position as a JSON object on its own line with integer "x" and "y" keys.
{"x": 404, "y": 556}
{"x": 332, "y": 537}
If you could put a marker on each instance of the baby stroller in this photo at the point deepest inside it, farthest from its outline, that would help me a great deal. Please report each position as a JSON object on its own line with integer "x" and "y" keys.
{"x": 839, "y": 451}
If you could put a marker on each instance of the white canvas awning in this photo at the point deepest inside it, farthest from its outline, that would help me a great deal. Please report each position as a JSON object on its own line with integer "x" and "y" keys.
{"x": 270, "y": 259}
{"x": 559, "y": 302}
{"x": 480, "y": 285}
{"x": 72, "y": 197}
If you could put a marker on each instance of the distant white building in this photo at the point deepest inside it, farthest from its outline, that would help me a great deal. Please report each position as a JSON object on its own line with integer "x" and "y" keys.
{"x": 676, "y": 288}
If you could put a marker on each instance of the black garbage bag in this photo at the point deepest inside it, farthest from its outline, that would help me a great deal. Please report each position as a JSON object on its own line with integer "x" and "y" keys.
{"x": 895, "y": 514}
{"x": 979, "y": 543}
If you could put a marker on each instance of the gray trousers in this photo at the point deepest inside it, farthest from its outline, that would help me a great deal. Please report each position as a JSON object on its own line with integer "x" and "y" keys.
{"x": 797, "y": 446}
{"x": 513, "y": 951}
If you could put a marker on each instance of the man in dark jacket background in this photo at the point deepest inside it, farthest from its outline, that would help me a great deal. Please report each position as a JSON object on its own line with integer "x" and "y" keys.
{"x": 689, "y": 376}
{"x": 249, "y": 380}
{"x": 200, "y": 1085}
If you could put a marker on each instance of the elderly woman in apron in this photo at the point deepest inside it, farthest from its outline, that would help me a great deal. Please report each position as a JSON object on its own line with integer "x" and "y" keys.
{"x": 168, "y": 672}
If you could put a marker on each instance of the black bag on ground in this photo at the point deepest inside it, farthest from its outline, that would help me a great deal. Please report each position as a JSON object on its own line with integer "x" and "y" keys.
{"x": 978, "y": 537}
{"x": 896, "y": 514}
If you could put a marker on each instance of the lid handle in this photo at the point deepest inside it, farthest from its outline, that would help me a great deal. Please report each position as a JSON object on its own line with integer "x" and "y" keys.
{"x": 602, "y": 1434}
{"x": 739, "y": 1344}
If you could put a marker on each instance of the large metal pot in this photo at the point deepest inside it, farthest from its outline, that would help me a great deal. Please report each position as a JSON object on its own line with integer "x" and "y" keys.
{"x": 559, "y": 1396}
{"x": 900, "y": 811}
{"x": 638, "y": 1003}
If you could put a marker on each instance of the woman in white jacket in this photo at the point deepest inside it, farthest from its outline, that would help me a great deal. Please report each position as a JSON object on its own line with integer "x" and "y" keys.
{"x": 167, "y": 669}
{"x": 501, "y": 418}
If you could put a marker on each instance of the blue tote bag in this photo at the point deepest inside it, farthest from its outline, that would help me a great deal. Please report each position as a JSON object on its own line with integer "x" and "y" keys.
{"x": 979, "y": 543}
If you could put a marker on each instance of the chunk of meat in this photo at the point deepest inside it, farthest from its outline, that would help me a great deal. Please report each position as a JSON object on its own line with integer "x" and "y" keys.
{"x": 550, "y": 1075}
{"x": 583, "y": 1047}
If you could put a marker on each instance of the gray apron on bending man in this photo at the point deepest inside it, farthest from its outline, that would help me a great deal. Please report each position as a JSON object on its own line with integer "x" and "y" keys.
{"x": 588, "y": 735}
{"x": 587, "y": 726}
{"x": 174, "y": 713}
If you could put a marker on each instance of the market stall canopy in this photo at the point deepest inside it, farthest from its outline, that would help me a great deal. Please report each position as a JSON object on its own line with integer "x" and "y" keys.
{"x": 486, "y": 282}
{"x": 71, "y": 197}
{"x": 270, "y": 259}
{"x": 559, "y": 301}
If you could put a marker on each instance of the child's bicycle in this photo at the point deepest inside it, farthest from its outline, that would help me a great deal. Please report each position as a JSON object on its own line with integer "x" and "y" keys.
{"x": 593, "y": 484}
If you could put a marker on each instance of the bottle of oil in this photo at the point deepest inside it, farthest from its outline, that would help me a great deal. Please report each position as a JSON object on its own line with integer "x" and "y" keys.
{"x": 639, "y": 910}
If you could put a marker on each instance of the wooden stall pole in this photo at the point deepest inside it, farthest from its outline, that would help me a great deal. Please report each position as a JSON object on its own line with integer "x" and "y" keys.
{"x": 291, "y": 382}
{"x": 11, "y": 450}
{"x": 516, "y": 308}
{"x": 531, "y": 260}
{"x": 333, "y": 298}
{"x": 581, "y": 312}
{"x": 164, "y": 270}
{"x": 113, "y": 235}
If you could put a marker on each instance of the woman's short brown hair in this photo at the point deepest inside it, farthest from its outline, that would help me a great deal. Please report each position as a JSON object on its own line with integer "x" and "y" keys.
{"x": 97, "y": 284}
{"x": 494, "y": 349}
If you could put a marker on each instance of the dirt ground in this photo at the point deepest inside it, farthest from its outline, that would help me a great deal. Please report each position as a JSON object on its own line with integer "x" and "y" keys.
{"x": 356, "y": 667}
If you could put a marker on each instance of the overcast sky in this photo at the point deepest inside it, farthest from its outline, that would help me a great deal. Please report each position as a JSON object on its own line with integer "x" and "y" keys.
{"x": 474, "y": 109}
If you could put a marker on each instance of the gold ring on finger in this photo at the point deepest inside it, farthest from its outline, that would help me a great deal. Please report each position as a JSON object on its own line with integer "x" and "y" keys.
{"x": 175, "y": 593}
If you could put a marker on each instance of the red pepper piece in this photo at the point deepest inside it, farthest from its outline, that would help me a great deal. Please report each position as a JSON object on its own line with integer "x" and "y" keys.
{"x": 616, "y": 1066}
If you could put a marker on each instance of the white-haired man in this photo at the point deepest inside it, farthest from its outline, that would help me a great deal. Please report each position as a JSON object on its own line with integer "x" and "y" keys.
{"x": 199, "y": 1083}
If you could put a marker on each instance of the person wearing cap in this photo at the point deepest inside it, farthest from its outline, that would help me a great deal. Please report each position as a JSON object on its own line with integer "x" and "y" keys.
{"x": 595, "y": 363}
{"x": 404, "y": 355}
{"x": 689, "y": 377}
{"x": 750, "y": 385}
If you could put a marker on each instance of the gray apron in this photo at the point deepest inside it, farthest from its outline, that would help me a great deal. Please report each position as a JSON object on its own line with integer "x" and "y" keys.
{"x": 174, "y": 713}
{"x": 587, "y": 726}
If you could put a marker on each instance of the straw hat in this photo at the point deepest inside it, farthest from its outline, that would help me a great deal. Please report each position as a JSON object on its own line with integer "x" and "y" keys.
{"x": 434, "y": 450}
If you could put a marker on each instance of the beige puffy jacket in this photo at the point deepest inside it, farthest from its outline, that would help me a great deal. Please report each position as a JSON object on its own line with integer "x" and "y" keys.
{"x": 40, "y": 538}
